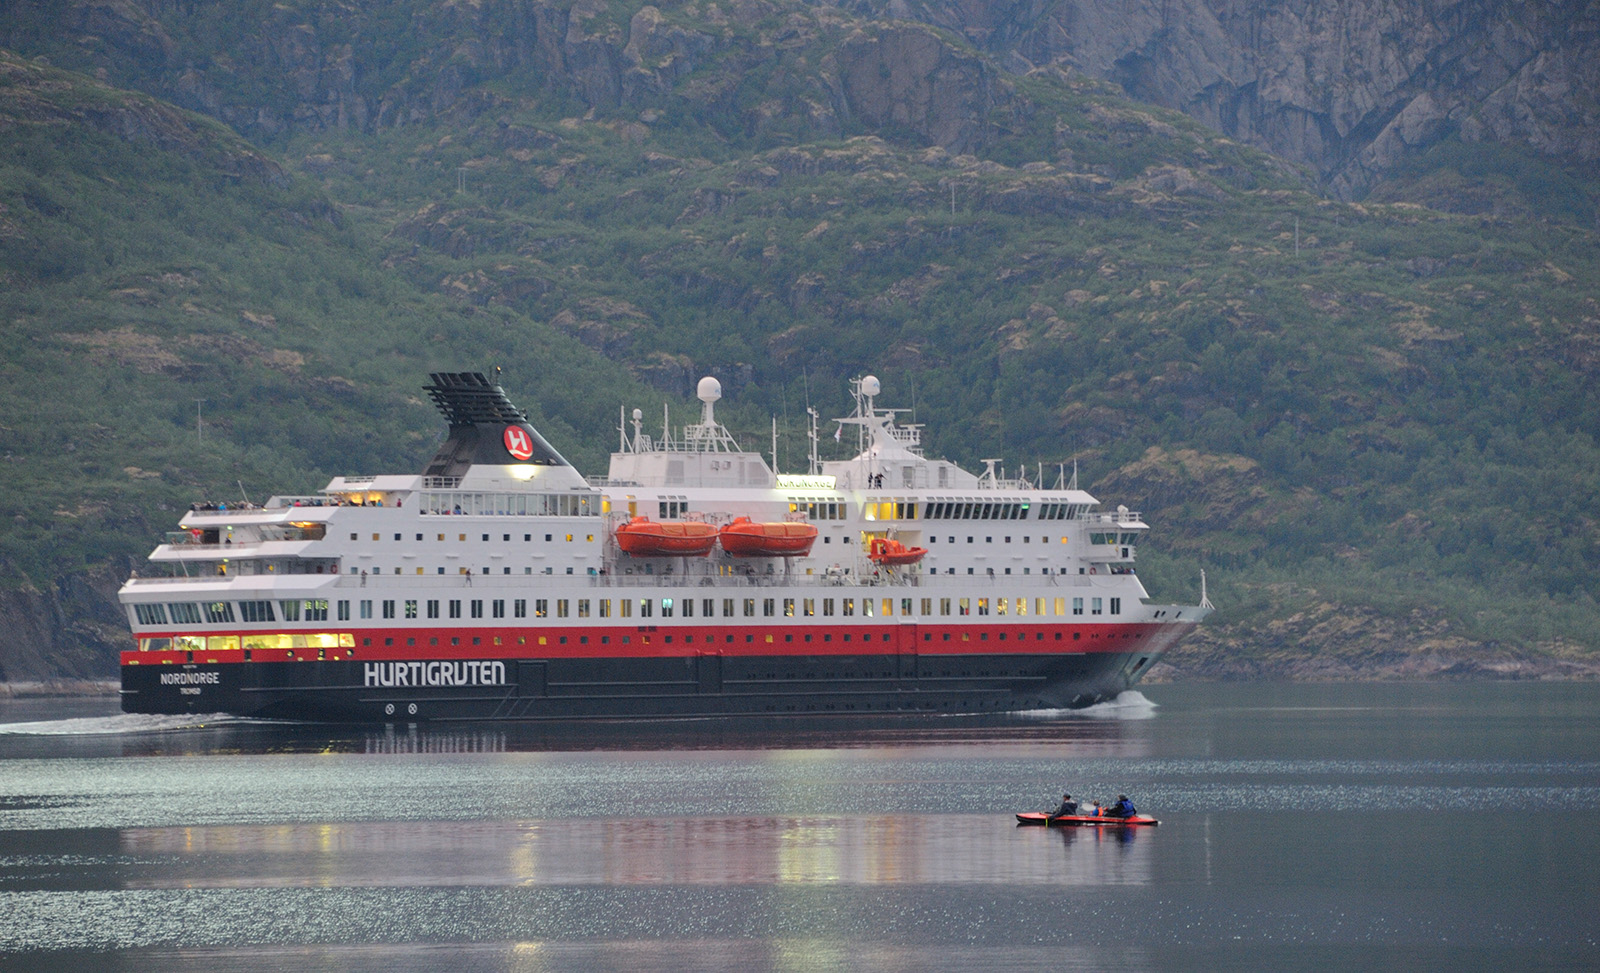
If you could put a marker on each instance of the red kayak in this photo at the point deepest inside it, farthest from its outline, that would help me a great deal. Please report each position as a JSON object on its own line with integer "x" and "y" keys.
{"x": 1082, "y": 820}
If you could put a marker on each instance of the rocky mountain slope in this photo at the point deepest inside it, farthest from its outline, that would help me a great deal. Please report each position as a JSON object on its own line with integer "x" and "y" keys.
{"x": 1372, "y": 423}
{"x": 1355, "y": 88}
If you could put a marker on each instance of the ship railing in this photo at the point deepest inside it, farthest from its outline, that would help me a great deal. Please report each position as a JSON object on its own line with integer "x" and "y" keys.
{"x": 1112, "y": 517}
{"x": 224, "y": 509}
{"x": 441, "y": 482}
{"x": 179, "y": 579}
{"x": 317, "y": 500}
{"x": 224, "y": 546}
{"x": 735, "y": 581}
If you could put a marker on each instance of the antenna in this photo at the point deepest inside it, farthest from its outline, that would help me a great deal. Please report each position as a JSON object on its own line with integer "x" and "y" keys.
{"x": 774, "y": 444}
{"x": 1074, "y": 484}
{"x": 199, "y": 427}
{"x": 815, "y": 465}
{"x": 1204, "y": 601}
{"x": 241, "y": 491}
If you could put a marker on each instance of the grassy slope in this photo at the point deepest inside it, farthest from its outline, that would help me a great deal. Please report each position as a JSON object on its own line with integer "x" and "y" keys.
{"x": 1378, "y": 442}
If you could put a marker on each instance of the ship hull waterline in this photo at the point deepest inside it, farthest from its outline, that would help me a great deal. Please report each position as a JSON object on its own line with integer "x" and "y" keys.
{"x": 468, "y": 684}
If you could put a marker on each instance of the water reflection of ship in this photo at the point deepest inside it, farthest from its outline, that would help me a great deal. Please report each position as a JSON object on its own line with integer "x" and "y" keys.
{"x": 1079, "y": 736}
{"x": 412, "y": 740}
{"x": 794, "y": 850}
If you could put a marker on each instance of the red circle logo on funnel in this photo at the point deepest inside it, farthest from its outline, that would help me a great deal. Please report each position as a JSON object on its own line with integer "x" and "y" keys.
{"x": 518, "y": 443}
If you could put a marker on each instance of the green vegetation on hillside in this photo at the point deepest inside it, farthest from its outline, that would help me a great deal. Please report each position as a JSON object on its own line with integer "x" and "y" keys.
{"x": 1384, "y": 412}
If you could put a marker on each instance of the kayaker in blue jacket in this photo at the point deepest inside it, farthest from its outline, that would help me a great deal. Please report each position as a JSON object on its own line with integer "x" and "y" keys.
{"x": 1122, "y": 809}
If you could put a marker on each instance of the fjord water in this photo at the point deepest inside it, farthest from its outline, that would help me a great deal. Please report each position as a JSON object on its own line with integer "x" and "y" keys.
{"x": 1302, "y": 827}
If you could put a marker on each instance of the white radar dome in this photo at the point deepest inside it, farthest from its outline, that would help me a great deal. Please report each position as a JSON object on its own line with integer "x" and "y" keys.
{"x": 709, "y": 389}
{"x": 870, "y": 385}
{"x": 638, "y": 414}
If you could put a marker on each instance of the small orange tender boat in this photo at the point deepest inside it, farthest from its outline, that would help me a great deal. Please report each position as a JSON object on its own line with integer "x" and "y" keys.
{"x": 643, "y": 537}
{"x": 745, "y": 538}
{"x": 888, "y": 552}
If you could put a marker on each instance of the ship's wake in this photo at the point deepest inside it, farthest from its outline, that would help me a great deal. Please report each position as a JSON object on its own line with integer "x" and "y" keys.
{"x": 1129, "y": 705}
{"x": 121, "y": 723}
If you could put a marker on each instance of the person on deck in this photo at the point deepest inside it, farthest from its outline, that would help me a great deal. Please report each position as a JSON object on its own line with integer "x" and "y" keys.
{"x": 1122, "y": 809}
{"x": 1068, "y": 807}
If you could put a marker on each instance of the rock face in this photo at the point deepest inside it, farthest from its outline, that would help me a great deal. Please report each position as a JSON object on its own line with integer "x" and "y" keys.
{"x": 36, "y": 95}
{"x": 1352, "y": 87}
{"x": 907, "y": 78}
{"x": 287, "y": 73}
{"x": 73, "y": 627}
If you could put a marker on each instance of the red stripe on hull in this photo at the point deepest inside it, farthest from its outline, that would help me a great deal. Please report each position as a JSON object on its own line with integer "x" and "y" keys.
{"x": 655, "y": 641}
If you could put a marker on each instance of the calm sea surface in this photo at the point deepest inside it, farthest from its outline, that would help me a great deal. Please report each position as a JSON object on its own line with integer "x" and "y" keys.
{"x": 1302, "y": 827}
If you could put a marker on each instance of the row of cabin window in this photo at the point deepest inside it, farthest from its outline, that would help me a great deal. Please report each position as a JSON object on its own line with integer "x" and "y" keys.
{"x": 509, "y": 504}
{"x": 737, "y": 607}
{"x": 588, "y": 538}
{"x": 969, "y": 510}
{"x": 316, "y": 610}
{"x": 221, "y": 612}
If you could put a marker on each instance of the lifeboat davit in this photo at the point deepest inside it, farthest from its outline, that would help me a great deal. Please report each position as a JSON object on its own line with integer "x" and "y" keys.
{"x": 888, "y": 552}
{"x": 744, "y": 538}
{"x": 643, "y": 537}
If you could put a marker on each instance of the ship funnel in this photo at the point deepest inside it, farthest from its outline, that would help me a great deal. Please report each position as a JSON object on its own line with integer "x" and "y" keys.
{"x": 486, "y": 429}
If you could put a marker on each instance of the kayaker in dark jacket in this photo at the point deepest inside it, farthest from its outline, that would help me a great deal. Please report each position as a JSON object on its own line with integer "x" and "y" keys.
{"x": 1122, "y": 809}
{"x": 1068, "y": 806}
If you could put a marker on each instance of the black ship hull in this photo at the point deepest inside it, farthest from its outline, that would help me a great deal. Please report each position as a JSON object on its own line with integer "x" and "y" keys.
{"x": 706, "y": 685}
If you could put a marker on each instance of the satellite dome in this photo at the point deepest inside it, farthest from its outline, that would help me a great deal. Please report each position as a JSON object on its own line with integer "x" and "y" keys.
{"x": 638, "y": 414}
{"x": 870, "y": 385}
{"x": 709, "y": 389}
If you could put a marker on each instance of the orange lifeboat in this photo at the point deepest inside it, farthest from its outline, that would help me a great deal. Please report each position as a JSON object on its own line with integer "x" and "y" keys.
{"x": 890, "y": 553}
{"x": 744, "y": 538}
{"x": 643, "y": 537}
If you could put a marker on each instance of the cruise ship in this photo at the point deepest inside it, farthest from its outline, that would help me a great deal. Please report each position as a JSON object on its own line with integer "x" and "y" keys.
{"x": 693, "y": 580}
